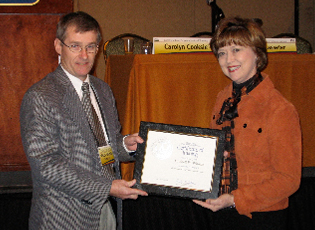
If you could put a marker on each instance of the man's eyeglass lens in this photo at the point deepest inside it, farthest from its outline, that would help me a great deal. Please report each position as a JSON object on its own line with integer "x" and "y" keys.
{"x": 92, "y": 48}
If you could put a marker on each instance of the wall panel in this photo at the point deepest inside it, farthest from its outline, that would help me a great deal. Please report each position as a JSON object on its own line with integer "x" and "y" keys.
{"x": 27, "y": 55}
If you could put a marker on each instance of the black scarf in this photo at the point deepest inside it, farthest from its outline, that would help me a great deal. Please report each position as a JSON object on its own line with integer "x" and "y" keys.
{"x": 227, "y": 114}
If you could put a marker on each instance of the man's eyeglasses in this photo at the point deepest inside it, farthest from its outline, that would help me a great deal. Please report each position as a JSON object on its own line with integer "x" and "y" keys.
{"x": 92, "y": 48}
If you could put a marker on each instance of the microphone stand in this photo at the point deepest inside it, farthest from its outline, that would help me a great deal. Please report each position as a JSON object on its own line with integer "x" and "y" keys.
{"x": 216, "y": 13}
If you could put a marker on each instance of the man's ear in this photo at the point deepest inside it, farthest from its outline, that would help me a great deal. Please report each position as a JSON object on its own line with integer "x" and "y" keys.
{"x": 57, "y": 44}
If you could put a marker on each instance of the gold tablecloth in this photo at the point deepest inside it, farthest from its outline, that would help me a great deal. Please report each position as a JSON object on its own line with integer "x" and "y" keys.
{"x": 181, "y": 89}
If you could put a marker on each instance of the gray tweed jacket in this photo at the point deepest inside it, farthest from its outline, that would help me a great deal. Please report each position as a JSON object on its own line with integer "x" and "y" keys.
{"x": 69, "y": 184}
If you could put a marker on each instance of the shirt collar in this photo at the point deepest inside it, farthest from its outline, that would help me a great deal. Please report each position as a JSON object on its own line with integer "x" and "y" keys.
{"x": 76, "y": 82}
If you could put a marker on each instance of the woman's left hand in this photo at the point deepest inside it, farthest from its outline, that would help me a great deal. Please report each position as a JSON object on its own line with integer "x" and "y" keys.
{"x": 223, "y": 201}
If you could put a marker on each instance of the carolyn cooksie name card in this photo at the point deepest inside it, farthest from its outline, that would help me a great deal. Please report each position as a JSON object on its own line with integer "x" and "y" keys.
{"x": 180, "y": 45}
{"x": 179, "y": 161}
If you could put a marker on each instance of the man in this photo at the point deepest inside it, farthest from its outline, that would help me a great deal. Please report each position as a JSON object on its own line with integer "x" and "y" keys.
{"x": 73, "y": 165}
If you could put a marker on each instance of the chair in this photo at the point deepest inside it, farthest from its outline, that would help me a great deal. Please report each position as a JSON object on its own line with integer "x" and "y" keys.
{"x": 116, "y": 45}
{"x": 204, "y": 34}
{"x": 302, "y": 45}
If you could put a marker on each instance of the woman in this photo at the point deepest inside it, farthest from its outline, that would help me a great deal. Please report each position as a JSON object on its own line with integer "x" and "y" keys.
{"x": 262, "y": 165}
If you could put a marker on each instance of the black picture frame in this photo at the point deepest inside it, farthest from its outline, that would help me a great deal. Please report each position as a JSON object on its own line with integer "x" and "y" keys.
{"x": 165, "y": 190}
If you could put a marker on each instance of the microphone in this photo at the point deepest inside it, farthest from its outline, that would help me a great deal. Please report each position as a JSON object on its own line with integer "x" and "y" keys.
{"x": 217, "y": 13}
{"x": 209, "y": 2}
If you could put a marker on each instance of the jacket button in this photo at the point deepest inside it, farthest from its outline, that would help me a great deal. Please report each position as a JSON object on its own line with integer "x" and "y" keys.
{"x": 86, "y": 202}
{"x": 259, "y": 130}
{"x": 245, "y": 125}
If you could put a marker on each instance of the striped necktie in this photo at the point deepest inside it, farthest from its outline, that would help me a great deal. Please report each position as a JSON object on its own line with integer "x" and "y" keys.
{"x": 92, "y": 116}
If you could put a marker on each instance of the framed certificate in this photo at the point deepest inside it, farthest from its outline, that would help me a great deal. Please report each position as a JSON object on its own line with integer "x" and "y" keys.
{"x": 180, "y": 161}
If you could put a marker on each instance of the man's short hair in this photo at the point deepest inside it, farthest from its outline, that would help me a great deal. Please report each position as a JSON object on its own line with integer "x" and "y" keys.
{"x": 82, "y": 21}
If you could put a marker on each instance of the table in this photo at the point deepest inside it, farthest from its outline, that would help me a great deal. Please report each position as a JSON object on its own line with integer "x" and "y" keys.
{"x": 181, "y": 89}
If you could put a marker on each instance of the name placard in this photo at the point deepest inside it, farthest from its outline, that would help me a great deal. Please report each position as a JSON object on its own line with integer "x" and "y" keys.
{"x": 180, "y": 45}
{"x": 277, "y": 45}
{"x": 18, "y": 2}
{"x": 165, "y": 45}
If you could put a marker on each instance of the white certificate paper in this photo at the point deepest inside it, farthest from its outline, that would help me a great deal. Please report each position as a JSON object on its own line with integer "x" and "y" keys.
{"x": 179, "y": 160}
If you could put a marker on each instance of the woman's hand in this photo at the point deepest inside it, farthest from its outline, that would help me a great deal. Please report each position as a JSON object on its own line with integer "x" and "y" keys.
{"x": 223, "y": 201}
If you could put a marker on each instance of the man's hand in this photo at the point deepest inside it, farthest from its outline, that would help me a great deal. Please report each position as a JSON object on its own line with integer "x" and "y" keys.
{"x": 132, "y": 140}
{"x": 122, "y": 189}
{"x": 223, "y": 201}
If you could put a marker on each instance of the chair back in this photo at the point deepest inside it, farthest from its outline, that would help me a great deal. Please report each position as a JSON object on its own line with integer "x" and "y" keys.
{"x": 115, "y": 46}
{"x": 204, "y": 34}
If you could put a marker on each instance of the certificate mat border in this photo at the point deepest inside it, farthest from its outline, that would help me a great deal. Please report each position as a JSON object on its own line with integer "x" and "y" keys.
{"x": 171, "y": 191}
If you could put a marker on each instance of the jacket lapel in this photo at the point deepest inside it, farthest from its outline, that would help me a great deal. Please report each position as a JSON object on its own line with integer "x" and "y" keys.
{"x": 73, "y": 106}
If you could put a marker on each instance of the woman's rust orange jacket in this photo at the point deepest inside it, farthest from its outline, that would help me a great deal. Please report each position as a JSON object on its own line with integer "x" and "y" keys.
{"x": 267, "y": 147}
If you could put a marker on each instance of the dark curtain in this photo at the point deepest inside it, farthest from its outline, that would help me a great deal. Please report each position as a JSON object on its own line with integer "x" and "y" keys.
{"x": 302, "y": 206}
{"x": 165, "y": 213}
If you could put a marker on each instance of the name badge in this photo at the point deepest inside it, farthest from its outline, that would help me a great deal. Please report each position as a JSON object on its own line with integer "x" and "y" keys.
{"x": 106, "y": 155}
